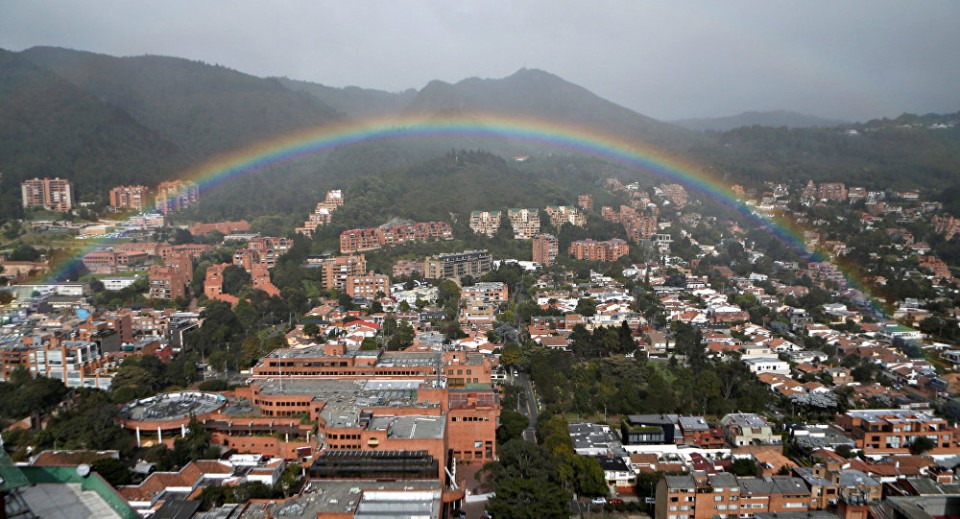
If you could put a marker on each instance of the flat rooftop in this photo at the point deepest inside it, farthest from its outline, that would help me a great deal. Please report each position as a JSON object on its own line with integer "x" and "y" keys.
{"x": 365, "y": 498}
{"x": 172, "y": 406}
{"x": 411, "y": 427}
{"x": 345, "y": 399}
{"x": 891, "y": 415}
{"x": 65, "y": 501}
{"x": 593, "y": 436}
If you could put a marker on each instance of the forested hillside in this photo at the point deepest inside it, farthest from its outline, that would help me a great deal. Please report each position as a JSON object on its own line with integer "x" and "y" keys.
{"x": 909, "y": 152}
{"x": 205, "y": 109}
{"x": 102, "y": 121}
{"x": 50, "y": 127}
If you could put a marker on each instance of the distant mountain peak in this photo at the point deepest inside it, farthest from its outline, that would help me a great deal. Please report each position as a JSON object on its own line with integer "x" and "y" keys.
{"x": 534, "y": 73}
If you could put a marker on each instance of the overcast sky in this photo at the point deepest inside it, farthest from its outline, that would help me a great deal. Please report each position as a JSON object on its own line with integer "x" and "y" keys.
{"x": 668, "y": 59}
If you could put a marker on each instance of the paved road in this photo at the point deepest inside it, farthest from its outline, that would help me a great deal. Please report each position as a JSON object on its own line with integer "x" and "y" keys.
{"x": 529, "y": 408}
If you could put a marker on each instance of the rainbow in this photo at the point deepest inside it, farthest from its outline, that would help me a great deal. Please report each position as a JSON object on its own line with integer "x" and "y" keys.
{"x": 572, "y": 137}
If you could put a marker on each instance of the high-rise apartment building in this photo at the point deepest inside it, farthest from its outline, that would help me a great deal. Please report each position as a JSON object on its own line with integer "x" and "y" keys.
{"x": 545, "y": 249}
{"x": 337, "y": 269}
{"x": 54, "y": 194}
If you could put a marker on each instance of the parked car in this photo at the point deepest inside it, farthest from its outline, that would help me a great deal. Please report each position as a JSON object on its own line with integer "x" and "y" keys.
{"x": 599, "y": 500}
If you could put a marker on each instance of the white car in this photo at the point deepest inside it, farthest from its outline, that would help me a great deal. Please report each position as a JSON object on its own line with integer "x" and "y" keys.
{"x": 599, "y": 500}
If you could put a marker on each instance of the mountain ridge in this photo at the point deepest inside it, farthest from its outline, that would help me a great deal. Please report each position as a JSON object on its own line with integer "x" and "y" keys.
{"x": 205, "y": 109}
{"x": 770, "y": 118}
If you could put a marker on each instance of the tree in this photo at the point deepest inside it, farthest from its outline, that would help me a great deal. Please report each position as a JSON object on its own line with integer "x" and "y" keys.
{"x": 24, "y": 252}
{"x": 195, "y": 444}
{"x": 234, "y": 279}
{"x": 521, "y": 498}
{"x": 218, "y": 360}
{"x": 845, "y": 450}
{"x": 625, "y": 339}
{"x": 743, "y": 467}
{"x": 512, "y": 425}
{"x": 586, "y": 306}
{"x": 588, "y": 477}
{"x": 922, "y": 445}
{"x": 181, "y": 236}
{"x": 113, "y": 470}
{"x": 311, "y": 329}
{"x": 135, "y": 380}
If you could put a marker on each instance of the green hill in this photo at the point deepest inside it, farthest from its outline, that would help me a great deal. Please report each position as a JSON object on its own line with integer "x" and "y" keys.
{"x": 910, "y": 152}
{"x": 205, "y": 109}
{"x": 50, "y": 127}
{"x": 354, "y": 101}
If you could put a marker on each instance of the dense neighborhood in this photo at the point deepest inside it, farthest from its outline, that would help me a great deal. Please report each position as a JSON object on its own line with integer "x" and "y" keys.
{"x": 656, "y": 355}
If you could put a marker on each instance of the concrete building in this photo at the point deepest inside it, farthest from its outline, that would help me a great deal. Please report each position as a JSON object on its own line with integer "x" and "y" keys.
{"x": 73, "y": 363}
{"x": 458, "y": 264}
{"x": 748, "y": 429}
{"x": 545, "y": 249}
{"x": 525, "y": 222}
{"x": 53, "y": 194}
{"x": 561, "y": 214}
{"x": 759, "y": 365}
{"x": 132, "y": 198}
{"x": 651, "y": 429}
{"x": 485, "y": 222}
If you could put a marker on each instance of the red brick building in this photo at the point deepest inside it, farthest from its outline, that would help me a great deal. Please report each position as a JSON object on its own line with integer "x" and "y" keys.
{"x": 134, "y": 198}
{"x": 723, "y": 494}
{"x": 336, "y": 270}
{"x": 359, "y": 240}
{"x": 170, "y": 281}
{"x": 891, "y": 431}
{"x": 545, "y": 249}
{"x": 591, "y": 250}
{"x": 585, "y": 202}
{"x": 53, "y": 194}
{"x": 368, "y": 285}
